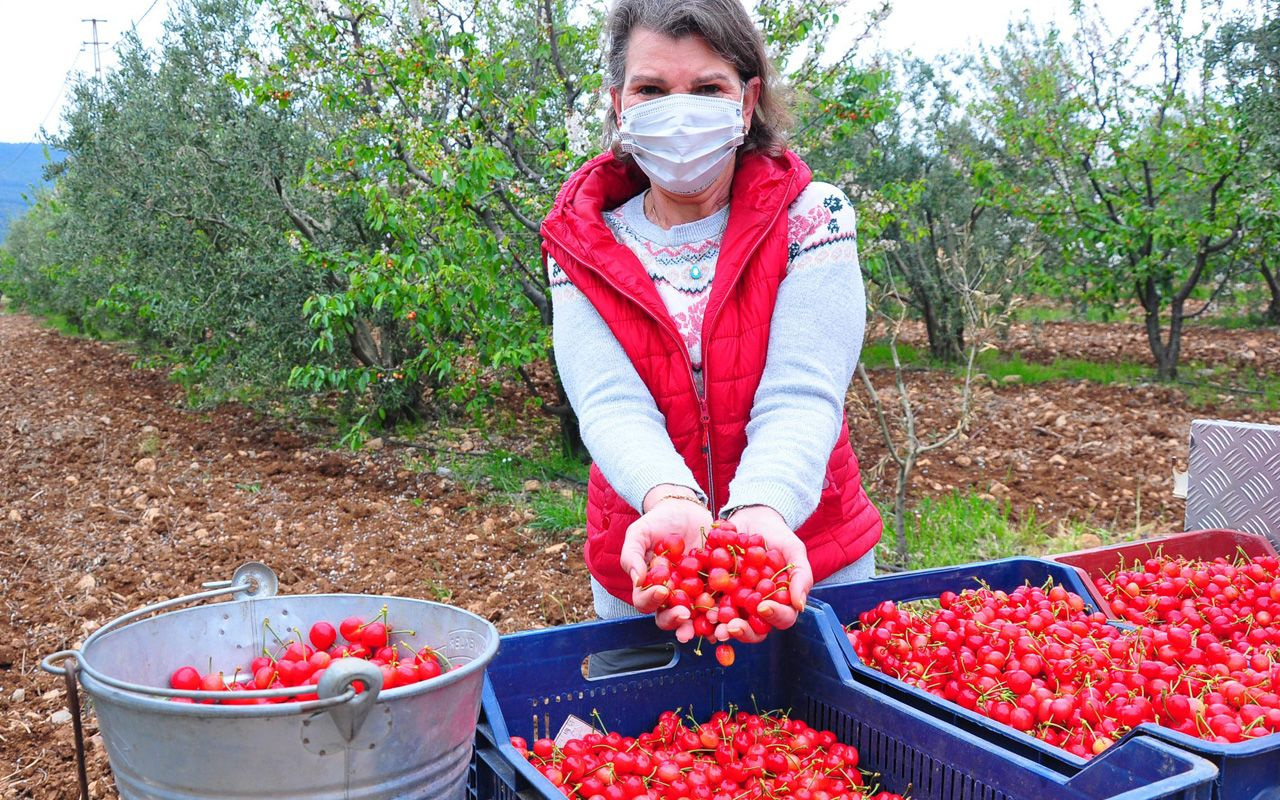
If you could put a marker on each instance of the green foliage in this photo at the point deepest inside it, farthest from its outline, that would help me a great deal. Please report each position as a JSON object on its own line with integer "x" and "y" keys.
{"x": 506, "y": 472}
{"x": 166, "y": 224}
{"x": 929, "y": 236}
{"x": 1143, "y": 187}
{"x": 456, "y": 127}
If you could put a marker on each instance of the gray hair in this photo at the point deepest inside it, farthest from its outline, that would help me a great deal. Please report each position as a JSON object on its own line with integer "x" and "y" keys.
{"x": 727, "y": 29}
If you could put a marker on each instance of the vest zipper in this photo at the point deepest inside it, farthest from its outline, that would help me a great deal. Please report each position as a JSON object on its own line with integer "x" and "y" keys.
{"x": 707, "y": 324}
{"x": 706, "y": 436}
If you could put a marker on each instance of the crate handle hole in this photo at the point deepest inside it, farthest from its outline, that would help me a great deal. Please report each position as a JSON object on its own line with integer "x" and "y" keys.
{"x": 629, "y": 661}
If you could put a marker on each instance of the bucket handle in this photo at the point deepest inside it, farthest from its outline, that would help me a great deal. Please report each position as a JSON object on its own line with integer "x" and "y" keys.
{"x": 346, "y": 694}
{"x": 251, "y": 580}
{"x": 338, "y": 681}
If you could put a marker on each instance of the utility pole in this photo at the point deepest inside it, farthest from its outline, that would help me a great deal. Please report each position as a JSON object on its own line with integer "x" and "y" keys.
{"x": 97, "y": 56}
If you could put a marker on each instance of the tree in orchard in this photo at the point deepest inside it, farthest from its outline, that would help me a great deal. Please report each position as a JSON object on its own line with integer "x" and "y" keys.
{"x": 1141, "y": 182}
{"x": 464, "y": 120}
{"x": 1248, "y": 51}
{"x": 928, "y": 210}
{"x": 164, "y": 225}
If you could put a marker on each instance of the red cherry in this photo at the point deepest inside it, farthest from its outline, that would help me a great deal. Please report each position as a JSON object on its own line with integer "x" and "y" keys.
{"x": 185, "y": 678}
{"x": 350, "y": 628}
{"x": 322, "y": 635}
{"x": 374, "y": 636}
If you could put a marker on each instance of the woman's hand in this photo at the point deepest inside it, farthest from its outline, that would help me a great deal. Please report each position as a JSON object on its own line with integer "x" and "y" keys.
{"x": 666, "y": 512}
{"x": 769, "y": 524}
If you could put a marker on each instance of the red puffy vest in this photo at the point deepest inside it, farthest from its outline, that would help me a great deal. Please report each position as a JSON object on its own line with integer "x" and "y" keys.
{"x": 710, "y": 433}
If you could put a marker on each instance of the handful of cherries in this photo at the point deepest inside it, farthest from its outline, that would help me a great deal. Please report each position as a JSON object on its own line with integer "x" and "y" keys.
{"x": 725, "y": 579}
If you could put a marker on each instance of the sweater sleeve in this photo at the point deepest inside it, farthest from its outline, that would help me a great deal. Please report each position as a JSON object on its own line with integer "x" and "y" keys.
{"x": 619, "y": 420}
{"x": 815, "y": 339}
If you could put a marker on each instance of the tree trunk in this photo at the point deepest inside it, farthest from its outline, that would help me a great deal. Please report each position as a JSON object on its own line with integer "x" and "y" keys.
{"x": 1273, "y": 286}
{"x": 943, "y": 322}
{"x": 571, "y": 443}
{"x": 946, "y": 337}
{"x": 1166, "y": 356}
{"x": 1166, "y": 353}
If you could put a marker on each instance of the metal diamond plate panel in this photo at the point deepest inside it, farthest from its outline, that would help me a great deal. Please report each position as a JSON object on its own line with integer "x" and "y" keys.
{"x": 1234, "y": 477}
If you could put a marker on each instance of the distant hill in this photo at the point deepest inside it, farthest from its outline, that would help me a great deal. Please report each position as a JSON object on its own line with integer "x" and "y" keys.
{"x": 20, "y": 168}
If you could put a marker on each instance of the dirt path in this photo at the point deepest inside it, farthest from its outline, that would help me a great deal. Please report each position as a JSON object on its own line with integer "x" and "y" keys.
{"x": 112, "y": 497}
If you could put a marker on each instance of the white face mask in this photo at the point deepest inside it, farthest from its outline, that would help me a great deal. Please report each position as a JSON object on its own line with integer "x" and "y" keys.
{"x": 682, "y": 141}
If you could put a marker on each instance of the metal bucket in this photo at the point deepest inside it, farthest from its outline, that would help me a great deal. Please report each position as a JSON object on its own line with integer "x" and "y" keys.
{"x": 407, "y": 742}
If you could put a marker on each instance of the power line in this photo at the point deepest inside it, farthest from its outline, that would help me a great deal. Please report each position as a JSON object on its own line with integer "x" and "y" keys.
{"x": 144, "y": 14}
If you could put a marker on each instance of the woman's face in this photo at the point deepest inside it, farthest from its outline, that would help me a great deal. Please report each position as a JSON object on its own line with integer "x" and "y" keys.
{"x": 658, "y": 65}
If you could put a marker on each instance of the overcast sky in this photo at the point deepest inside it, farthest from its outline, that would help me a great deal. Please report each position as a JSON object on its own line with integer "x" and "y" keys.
{"x": 41, "y": 41}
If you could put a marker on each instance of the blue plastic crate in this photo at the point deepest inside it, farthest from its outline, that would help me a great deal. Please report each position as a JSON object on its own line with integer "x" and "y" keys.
{"x": 536, "y": 682}
{"x": 1247, "y": 770}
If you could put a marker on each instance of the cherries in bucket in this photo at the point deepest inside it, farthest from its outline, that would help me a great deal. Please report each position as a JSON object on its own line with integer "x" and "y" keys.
{"x": 295, "y": 661}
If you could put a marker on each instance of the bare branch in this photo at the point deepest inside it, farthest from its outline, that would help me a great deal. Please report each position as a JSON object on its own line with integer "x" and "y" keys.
{"x": 524, "y": 221}
{"x": 1227, "y": 275}
{"x": 307, "y": 225}
{"x": 881, "y": 416}
{"x": 571, "y": 90}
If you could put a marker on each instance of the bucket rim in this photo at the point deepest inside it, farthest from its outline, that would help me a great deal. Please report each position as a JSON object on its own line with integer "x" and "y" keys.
{"x": 100, "y": 686}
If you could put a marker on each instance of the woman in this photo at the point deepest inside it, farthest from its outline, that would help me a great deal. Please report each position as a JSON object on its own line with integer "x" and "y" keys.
{"x": 709, "y": 314}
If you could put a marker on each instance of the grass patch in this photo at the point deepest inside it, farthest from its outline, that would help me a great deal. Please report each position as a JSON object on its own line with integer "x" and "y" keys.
{"x": 999, "y": 366}
{"x": 956, "y": 529}
{"x": 961, "y": 528}
{"x": 507, "y": 472}
{"x": 435, "y": 590}
{"x": 1096, "y": 312}
{"x": 558, "y": 512}
{"x": 150, "y": 445}
{"x": 877, "y": 355}
{"x": 1247, "y": 320}
{"x": 1218, "y": 385}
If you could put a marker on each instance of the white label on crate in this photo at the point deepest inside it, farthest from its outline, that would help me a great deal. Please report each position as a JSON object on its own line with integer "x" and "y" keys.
{"x": 573, "y": 728}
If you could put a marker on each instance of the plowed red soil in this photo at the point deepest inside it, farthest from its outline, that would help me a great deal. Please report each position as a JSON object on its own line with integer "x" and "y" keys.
{"x": 113, "y": 496}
